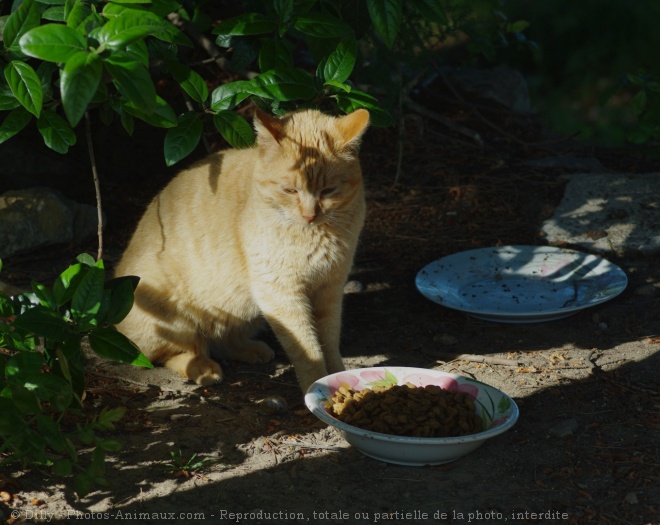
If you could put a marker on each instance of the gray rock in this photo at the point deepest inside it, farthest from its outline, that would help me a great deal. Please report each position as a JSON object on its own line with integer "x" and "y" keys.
{"x": 445, "y": 339}
{"x": 569, "y": 162}
{"x": 608, "y": 213}
{"x": 38, "y": 217}
{"x": 646, "y": 290}
{"x": 501, "y": 85}
{"x": 353, "y": 287}
{"x": 564, "y": 428}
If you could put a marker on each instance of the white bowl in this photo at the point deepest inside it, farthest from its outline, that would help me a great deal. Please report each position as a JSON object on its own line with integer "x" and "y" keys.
{"x": 498, "y": 413}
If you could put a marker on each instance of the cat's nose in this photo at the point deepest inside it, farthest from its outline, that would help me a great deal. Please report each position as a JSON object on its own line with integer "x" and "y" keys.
{"x": 309, "y": 217}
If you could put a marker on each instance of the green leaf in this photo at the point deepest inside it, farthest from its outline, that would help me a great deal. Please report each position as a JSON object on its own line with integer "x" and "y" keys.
{"x": 228, "y": 96}
{"x": 163, "y": 116}
{"x": 518, "y": 26}
{"x": 109, "y": 445}
{"x": 88, "y": 260}
{"x": 130, "y": 26}
{"x": 349, "y": 102}
{"x": 43, "y": 322}
{"x": 183, "y": 139}
{"x": 86, "y": 300}
{"x": 638, "y": 103}
{"x": 114, "y": 345}
{"x": 128, "y": 122}
{"x": 14, "y": 122}
{"x": 164, "y": 7}
{"x": 106, "y": 420}
{"x": 79, "y": 82}
{"x": 52, "y": 42}
{"x": 138, "y": 51}
{"x": 338, "y": 86}
{"x": 247, "y": 24}
{"x": 432, "y": 11}
{"x": 234, "y": 129}
{"x": 56, "y": 132}
{"x": 23, "y": 365}
{"x": 44, "y": 295}
{"x": 322, "y": 25}
{"x": 55, "y": 14}
{"x": 386, "y": 17}
{"x": 283, "y": 84}
{"x": 339, "y": 65}
{"x": 274, "y": 53}
{"x": 26, "y": 17}
{"x": 83, "y": 484}
{"x": 284, "y": 10}
{"x": 25, "y": 85}
{"x": 121, "y": 298}
{"x": 133, "y": 80}
{"x": 26, "y": 402}
{"x": 52, "y": 433}
{"x": 62, "y": 467}
{"x": 245, "y": 51}
{"x": 51, "y": 388}
{"x": 66, "y": 283}
{"x": 191, "y": 81}
{"x": 78, "y": 13}
{"x": 7, "y": 99}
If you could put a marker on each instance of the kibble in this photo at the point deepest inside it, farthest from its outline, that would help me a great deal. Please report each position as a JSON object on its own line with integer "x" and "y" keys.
{"x": 407, "y": 410}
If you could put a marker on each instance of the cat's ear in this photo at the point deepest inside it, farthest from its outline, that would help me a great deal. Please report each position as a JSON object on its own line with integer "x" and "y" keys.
{"x": 352, "y": 126}
{"x": 268, "y": 127}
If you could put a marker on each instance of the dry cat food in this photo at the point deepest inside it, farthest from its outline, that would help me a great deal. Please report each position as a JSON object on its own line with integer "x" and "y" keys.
{"x": 407, "y": 410}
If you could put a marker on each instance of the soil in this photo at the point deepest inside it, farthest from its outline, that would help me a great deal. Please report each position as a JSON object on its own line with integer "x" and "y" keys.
{"x": 584, "y": 450}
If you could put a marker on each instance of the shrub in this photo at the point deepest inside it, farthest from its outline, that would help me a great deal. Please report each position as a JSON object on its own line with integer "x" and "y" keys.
{"x": 62, "y": 58}
{"x": 42, "y": 369}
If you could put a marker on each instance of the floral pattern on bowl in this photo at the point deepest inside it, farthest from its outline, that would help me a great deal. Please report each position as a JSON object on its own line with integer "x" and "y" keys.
{"x": 498, "y": 413}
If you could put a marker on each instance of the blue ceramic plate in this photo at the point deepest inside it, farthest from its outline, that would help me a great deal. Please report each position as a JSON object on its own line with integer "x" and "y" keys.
{"x": 521, "y": 284}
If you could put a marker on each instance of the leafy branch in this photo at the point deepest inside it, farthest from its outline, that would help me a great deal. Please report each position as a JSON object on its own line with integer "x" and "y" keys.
{"x": 42, "y": 369}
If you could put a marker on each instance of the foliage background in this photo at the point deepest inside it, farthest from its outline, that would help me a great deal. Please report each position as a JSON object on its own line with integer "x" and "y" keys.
{"x": 578, "y": 75}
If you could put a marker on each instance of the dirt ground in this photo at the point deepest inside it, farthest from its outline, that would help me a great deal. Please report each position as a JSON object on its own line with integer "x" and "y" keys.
{"x": 585, "y": 449}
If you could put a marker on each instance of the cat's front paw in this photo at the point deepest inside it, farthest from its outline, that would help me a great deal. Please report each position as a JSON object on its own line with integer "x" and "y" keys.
{"x": 200, "y": 369}
{"x": 257, "y": 352}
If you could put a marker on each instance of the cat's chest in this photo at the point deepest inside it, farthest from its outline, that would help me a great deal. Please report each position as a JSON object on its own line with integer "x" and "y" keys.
{"x": 303, "y": 254}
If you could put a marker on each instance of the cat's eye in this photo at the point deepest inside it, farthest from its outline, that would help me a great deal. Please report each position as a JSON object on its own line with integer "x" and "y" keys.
{"x": 290, "y": 191}
{"x": 327, "y": 191}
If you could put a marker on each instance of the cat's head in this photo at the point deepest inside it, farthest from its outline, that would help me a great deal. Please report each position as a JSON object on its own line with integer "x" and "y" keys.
{"x": 308, "y": 164}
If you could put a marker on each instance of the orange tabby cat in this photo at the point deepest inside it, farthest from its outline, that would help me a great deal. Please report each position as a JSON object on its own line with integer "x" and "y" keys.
{"x": 267, "y": 232}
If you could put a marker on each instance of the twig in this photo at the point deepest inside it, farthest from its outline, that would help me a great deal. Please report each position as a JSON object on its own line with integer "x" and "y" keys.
{"x": 402, "y": 130}
{"x": 473, "y": 358}
{"x": 201, "y": 40}
{"x": 311, "y": 445}
{"x": 97, "y": 185}
{"x": 425, "y": 112}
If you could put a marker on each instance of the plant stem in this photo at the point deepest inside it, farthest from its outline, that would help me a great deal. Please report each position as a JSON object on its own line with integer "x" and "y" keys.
{"x": 97, "y": 185}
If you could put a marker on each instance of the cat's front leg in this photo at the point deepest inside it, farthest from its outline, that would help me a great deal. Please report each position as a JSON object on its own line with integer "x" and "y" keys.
{"x": 327, "y": 303}
{"x": 291, "y": 318}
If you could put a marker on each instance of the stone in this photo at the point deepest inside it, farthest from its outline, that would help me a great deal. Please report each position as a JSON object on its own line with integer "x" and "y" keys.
{"x": 608, "y": 214}
{"x": 501, "y": 85}
{"x": 646, "y": 290}
{"x": 445, "y": 339}
{"x": 38, "y": 217}
{"x": 564, "y": 428}
{"x": 631, "y": 498}
{"x": 353, "y": 287}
